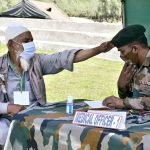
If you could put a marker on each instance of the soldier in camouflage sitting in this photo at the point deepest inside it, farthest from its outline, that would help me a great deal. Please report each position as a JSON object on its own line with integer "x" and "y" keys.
{"x": 134, "y": 80}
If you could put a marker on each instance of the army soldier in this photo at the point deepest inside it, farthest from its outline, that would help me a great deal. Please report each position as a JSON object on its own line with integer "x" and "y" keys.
{"x": 134, "y": 80}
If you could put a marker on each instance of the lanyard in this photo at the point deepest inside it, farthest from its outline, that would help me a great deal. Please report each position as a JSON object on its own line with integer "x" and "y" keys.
{"x": 21, "y": 82}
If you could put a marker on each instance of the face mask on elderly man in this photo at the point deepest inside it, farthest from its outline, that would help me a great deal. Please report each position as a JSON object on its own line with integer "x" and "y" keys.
{"x": 28, "y": 50}
{"x": 26, "y": 55}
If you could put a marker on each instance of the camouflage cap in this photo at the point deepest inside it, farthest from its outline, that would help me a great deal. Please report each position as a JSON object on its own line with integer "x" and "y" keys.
{"x": 128, "y": 35}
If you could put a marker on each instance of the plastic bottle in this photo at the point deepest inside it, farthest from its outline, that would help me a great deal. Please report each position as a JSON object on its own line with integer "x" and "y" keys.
{"x": 69, "y": 105}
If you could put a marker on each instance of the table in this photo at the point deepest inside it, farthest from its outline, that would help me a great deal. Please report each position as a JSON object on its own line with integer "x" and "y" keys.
{"x": 50, "y": 128}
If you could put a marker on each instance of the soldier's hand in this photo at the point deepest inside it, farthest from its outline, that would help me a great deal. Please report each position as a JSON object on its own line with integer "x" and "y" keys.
{"x": 13, "y": 109}
{"x": 113, "y": 102}
{"x": 126, "y": 75}
{"x": 106, "y": 46}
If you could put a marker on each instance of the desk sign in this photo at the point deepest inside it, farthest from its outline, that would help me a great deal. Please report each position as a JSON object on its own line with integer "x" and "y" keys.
{"x": 105, "y": 119}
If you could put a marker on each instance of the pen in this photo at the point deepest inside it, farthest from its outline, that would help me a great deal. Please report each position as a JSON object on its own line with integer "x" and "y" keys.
{"x": 55, "y": 104}
{"x": 32, "y": 105}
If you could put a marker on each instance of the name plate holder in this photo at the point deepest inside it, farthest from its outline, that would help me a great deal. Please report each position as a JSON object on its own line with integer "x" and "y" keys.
{"x": 104, "y": 119}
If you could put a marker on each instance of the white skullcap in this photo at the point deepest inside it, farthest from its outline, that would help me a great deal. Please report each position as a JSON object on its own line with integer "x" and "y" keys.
{"x": 13, "y": 30}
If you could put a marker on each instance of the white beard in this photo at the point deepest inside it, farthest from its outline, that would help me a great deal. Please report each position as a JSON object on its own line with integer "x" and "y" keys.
{"x": 25, "y": 64}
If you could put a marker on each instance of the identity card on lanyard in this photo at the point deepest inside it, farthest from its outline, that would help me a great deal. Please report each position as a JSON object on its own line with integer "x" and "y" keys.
{"x": 21, "y": 98}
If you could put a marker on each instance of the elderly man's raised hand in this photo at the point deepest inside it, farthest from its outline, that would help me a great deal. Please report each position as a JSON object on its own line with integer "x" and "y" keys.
{"x": 106, "y": 46}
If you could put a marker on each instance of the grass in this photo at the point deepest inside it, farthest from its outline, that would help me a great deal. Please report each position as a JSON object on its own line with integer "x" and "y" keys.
{"x": 92, "y": 79}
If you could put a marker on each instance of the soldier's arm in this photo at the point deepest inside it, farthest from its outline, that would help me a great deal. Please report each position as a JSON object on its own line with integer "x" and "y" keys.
{"x": 137, "y": 103}
{"x": 124, "y": 92}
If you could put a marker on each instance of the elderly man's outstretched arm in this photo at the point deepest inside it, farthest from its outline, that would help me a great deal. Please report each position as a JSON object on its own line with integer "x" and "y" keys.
{"x": 88, "y": 53}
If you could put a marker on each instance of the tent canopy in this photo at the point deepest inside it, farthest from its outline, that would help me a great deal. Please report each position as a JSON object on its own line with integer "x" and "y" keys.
{"x": 25, "y": 9}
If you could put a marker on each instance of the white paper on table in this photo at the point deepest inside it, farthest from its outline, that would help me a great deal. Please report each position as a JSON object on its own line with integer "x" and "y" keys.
{"x": 95, "y": 104}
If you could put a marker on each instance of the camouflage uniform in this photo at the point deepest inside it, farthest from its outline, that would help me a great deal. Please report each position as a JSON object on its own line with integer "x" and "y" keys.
{"x": 138, "y": 95}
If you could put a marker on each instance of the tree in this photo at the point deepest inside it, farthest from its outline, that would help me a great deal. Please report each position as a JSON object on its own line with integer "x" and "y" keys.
{"x": 109, "y": 10}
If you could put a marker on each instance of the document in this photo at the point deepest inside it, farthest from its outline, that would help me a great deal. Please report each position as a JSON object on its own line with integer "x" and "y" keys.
{"x": 95, "y": 104}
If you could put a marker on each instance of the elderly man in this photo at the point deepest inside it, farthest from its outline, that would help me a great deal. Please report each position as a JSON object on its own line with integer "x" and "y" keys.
{"x": 134, "y": 80}
{"x": 22, "y": 71}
